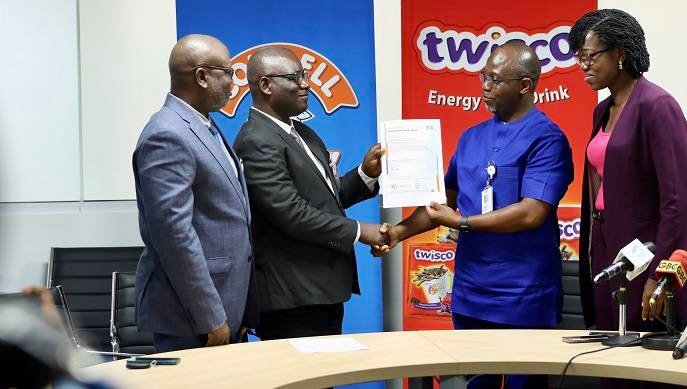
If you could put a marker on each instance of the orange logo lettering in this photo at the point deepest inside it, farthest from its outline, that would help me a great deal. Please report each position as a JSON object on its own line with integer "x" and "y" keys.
{"x": 327, "y": 82}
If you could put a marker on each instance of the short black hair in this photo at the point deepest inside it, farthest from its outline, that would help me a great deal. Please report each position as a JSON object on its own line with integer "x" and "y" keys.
{"x": 261, "y": 62}
{"x": 615, "y": 28}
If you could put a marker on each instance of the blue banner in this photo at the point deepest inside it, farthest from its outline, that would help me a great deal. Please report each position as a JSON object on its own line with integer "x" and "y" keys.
{"x": 334, "y": 40}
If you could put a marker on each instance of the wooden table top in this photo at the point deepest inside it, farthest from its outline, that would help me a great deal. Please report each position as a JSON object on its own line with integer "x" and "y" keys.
{"x": 277, "y": 364}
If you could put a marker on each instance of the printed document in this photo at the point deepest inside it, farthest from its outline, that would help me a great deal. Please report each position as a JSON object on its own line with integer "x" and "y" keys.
{"x": 412, "y": 166}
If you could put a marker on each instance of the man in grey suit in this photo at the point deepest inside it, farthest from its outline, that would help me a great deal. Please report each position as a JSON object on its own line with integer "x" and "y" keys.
{"x": 194, "y": 283}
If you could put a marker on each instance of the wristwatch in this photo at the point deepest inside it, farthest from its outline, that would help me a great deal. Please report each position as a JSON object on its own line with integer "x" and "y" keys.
{"x": 464, "y": 224}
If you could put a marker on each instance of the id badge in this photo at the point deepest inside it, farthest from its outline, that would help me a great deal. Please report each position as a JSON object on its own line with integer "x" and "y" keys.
{"x": 487, "y": 199}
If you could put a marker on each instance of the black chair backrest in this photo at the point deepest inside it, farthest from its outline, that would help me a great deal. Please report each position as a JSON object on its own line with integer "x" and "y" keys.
{"x": 126, "y": 336}
{"x": 573, "y": 318}
{"x": 86, "y": 276}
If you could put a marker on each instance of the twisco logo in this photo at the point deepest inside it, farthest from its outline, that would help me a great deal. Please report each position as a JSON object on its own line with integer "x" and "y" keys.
{"x": 327, "y": 82}
{"x": 569, "y": 229}
{"x": 454, "y": 50}
{"x": 433, "y": 255}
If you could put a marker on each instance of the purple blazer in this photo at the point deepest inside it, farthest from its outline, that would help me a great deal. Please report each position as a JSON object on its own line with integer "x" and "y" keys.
{"x": 644, "y": 183}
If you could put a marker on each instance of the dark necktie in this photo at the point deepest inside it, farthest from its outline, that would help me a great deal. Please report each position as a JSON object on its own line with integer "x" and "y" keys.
{"x": 294, "y": 135}
{"x": 218, "y": 138}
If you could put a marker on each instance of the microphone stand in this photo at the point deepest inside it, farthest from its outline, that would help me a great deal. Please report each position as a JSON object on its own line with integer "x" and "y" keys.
{"x": 623, "y": 338}
{"x": 669, "y": 339}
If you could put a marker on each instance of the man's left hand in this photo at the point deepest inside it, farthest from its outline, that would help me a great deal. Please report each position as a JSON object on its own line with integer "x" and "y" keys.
{"x": 372, "y": 163}
{"x": 442, "y": 214}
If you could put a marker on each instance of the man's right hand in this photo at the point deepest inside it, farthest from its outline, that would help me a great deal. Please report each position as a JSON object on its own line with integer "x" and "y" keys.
{"x": 392, "y": 239}
{"x": 370, "y": 234}
{"x": 219, "y": 336}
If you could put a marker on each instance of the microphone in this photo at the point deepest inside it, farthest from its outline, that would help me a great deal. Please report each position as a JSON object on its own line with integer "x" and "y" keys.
{"x": 632, "y": 259}
{"x": 670, "y": 269}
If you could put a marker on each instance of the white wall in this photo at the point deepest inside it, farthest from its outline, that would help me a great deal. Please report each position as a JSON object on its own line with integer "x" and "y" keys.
{"x": 90, "y": 71}
{"x": 39, "y": 94}
{"x": 29, "y": 230}
{"x": 124, "y": 48}
{"x": 663, "y": 24}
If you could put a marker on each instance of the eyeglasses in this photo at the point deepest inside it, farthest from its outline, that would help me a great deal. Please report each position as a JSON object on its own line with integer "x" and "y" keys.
{"x": 228, "y": 70}
{"x": 297, "y": 77}
{"x": 588, "y": 59}
{"x": 496, "y": 82}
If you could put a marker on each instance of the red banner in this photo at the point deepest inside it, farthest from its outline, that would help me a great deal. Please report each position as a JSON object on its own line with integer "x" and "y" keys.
{"x": 444, "y": 46}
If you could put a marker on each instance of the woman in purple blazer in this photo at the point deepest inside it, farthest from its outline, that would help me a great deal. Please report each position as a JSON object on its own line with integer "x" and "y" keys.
{"x": 635, "y": 175}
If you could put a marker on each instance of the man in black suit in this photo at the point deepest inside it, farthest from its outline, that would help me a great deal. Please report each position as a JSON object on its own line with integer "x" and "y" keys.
{"x": 303, "y": 241}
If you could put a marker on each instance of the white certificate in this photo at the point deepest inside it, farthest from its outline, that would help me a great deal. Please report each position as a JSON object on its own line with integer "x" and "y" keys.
{"x": 412, "y": 166}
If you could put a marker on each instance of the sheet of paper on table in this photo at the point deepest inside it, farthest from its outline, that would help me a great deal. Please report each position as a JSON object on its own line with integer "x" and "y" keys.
{"x": 412, "y": 166}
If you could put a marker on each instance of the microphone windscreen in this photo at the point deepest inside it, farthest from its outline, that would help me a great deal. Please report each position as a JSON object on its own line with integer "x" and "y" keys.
{"x": 651, "y": 246}
{"x": 676, "y": 266}
{"x": 679, "y": 255}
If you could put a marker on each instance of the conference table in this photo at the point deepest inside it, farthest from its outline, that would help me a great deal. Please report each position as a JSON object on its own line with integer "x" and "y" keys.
{"x": 390, "y": 355}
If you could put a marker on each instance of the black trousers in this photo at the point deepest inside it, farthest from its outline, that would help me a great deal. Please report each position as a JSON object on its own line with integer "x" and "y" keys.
{"x": 309, "y": 320}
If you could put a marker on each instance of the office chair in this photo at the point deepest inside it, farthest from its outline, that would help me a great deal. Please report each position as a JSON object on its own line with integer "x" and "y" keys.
{"x": 85, "y": 273}
{"x": 572, "y": 316}
{"x": 125, "y": 335}
{"x": 71, "y": 331}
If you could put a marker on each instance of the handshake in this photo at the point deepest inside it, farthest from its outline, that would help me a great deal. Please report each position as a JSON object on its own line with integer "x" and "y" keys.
{"x": 380, "y": 237}
{"x": 384, "y": 237}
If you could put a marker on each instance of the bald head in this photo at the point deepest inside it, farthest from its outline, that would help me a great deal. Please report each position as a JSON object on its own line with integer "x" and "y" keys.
{"x": 268, "y": 60}
{"x": 518, "y": 58}
{"x": 200, "y": 72}
{"x": 193, "y": 50}
{"x": 509, "y": 80}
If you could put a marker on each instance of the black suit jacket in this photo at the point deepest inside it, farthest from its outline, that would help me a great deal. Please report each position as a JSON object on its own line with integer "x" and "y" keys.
{"x": 303, "y": 241}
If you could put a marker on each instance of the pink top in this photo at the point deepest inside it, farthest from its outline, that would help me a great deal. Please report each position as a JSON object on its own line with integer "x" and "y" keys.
{"x": 596, "y": 152}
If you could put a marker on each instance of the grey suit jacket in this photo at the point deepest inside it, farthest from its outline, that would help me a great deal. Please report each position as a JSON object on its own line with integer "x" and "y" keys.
{"x": 197, "y": 268}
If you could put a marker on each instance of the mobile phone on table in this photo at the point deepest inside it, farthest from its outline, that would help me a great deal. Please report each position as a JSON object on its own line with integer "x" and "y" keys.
{"x": 146, "y": 362}
{"x": 133, "y": 364}
{"x": 158, "y": 360}
{"x": 585, "y": 338}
